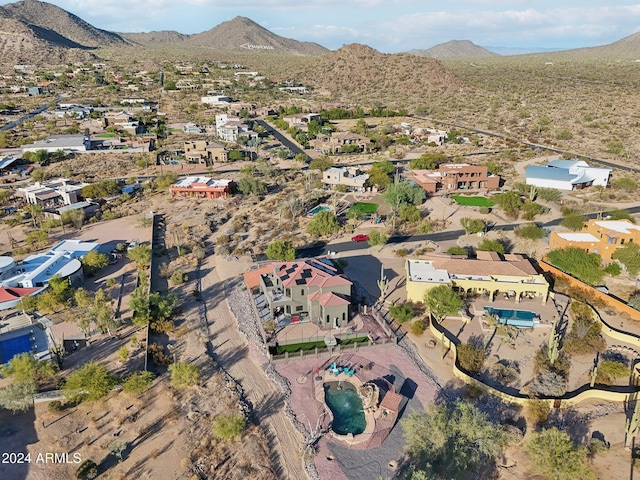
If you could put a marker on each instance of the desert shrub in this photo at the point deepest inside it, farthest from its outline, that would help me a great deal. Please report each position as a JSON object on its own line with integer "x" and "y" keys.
{"x": 596, "y": 445}
{"x": 484, "y": 210}
{"x": 556, "y": 457}
{"x": 613, "y": 269}
{"x": 178, "y": 277}
{"x": 471, "y": 356}
{"x": 417, "y": 327}
{"x": 457, "y": 250}
{"x": 538, "y": 410}
{"x": 137, "y": 382}
{"x": 561, "y": 366}
{"x": 506, "y": 372}
{"x": 548, "y": 384}
{"x": 184, "y": 374}
{"x": 227, "y": 427}
{"x": 530, "y": 231}
{"x": 401, "y": 312}
{"x": 157, "y": 354}
{"x": 402, "y": 252}
{"x": 123, "y": 353}
{"x": 55, "y": 406}
{"x": 88, "y": 470}
{"x": 575, "y": 261}
{"x": 610, "y": 370}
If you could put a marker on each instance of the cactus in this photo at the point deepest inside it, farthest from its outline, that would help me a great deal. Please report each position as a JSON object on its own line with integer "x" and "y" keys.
{"x": 383, "y": 283}
{"x": 594, "y": 374}
{"x": 533, "y": 193}
{"x": 554, "y": 342}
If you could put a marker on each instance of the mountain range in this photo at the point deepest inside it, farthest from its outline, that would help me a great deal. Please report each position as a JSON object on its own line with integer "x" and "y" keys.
{"x": 37, "y": 32}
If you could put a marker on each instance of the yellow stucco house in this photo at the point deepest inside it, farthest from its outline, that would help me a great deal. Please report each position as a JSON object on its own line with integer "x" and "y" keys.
{"x": 603, "y": 237}
{"x": 489, "y": 274}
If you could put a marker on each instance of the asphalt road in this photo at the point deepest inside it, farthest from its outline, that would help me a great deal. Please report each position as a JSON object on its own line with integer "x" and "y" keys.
{"x": 29, "y": 115}
{"x": 433, "y": 237}
{"x": 294, "y": 147}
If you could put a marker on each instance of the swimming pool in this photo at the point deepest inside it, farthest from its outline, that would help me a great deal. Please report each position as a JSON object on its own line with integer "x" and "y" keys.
{"x": 346, "y": 406}
{"x": 517, "y": 318}
{"x": 14, "y": 346}
{"x": 319, "y": 208}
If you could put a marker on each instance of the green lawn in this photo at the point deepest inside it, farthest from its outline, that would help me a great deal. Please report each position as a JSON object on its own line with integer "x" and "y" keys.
{"x": 472, "y": 201}
{"x": 105, "y": 135}
{"x": 366, "y": 208}
{"x": 350, "y": 341}
{"x": 296, "y": 347}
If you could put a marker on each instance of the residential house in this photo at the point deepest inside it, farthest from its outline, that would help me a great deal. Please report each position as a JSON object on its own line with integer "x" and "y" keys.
{"x": 301, "y": 120}
{"x": 203, "y": 151}
{"x": 304, "y": 290}
{"x": 53, "y": 193}
{"x": 201, "y": 187}
{"x": 76, "y": 111}
{"x": 88, "y": 209}
{"x": 350, "y": 177}
{"x": 453, "y": 177}
{"x": 333, "y": 143}
{"x": 603, "y": 237}
{"x": 489, "y": 274}
{"x": 567, "y": 175}
{"x": 215, "y": 99}
{"x": 229, "y": 128}
{"x": 191, "y": 128}
{"x": 60, "y": 143}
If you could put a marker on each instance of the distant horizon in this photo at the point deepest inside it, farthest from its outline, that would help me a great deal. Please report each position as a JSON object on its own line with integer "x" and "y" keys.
{"x": 389, "y": 26}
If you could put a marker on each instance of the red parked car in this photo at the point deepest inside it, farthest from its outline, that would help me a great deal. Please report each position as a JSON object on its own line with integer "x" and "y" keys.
{"x": 361, "y": 237}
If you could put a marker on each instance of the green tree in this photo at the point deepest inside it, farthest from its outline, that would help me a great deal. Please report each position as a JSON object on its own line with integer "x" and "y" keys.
{"x": 457, "y": 250}
{"x": 472, "y": 225}
{"x": 323, "y": 223}
{"x": 90, "y": 382}
{"x": 452, "y": 440}
{"x": 104, "y": 188}
{"x": 24, "y": 367}
{"x": 403, "y": 193}
{"x": 165, "y": 180}
{"x": 139, "y": 304}
{"x": 73, "y": 217}
{"x": 556, "y": 457}
{"x": 228, "y": 426}
{"x": 428, "y": 161}
{"x": 401, "y": 312}
{"x": 471, "y": 356}
{"x": 183, "y": 374}
{"x": 410, "y": 214}
{"x": 509, "y": 202}
{"x": 442, "y": 301}
{"x": 39, "y": 175}
{"x": 252, "y": 186}
{"x": 573, "y": 221}
{"x": 137, "y": 382}
{"x": 621, "y": 215}
{"x": 103, "y": 312}
{"x": 530, "y": 231}
{"x": 377, "y": 238}
{"x": 491, "y": 245}
{"x": 94, "y": 261}
{"x": 629, "y": 256}
{"x": 626, "y": 184}
{"x": 141, "y": 254}
{"x": 282, "y": 250}
{"x": 575, "y": 261}
{"x": 18, "y": 396}
{"x": 379, "y": 173}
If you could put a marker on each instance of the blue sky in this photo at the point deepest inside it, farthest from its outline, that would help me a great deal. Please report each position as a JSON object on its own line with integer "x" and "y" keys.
{"x": 386, "y": 25}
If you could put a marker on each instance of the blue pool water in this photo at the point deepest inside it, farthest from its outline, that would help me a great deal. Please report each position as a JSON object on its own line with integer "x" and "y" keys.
{"x": 518, "y": 318}
{"x": 13, "y": 346}
{"x": 346, "y": 406}
{"x": 319, "y": 208}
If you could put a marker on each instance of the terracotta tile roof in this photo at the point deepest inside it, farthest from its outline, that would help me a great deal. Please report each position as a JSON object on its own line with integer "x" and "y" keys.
{"x": 331, "y": 299}
{"x": 391, "y": 401}
{"x": 13, "y": 293}
{"x": 310, "y": 272}
{"x": 252, "y": 278}
{"x": 484, "y": 265}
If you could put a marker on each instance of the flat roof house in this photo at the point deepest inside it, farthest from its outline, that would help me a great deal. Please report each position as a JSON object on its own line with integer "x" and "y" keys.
{"x": 57, "y": 143}
{"x": 603, "y": 237}
{"x": 350, "y": 177}
{"x": 203, "y": 151}
{"x": 567, "y": 175}
{"x": 201, "y": 187}
{"x": 487, "y": 274}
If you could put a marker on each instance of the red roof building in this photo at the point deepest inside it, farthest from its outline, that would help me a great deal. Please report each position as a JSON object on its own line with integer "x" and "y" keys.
{"x": 201, "y": 187}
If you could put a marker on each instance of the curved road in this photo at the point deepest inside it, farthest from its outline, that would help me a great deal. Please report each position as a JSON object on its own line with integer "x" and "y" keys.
{"x": 29, "y": 115}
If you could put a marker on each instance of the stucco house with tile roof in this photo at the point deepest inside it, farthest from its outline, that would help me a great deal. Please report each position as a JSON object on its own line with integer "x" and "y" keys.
{"x": 488, "y": 274}
{"x": 603, "y": 237}
{"x": 304, "y": 290}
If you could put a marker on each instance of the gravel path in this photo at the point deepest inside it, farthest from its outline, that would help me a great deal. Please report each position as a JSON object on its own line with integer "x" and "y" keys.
{"x": 267, "y": 400}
